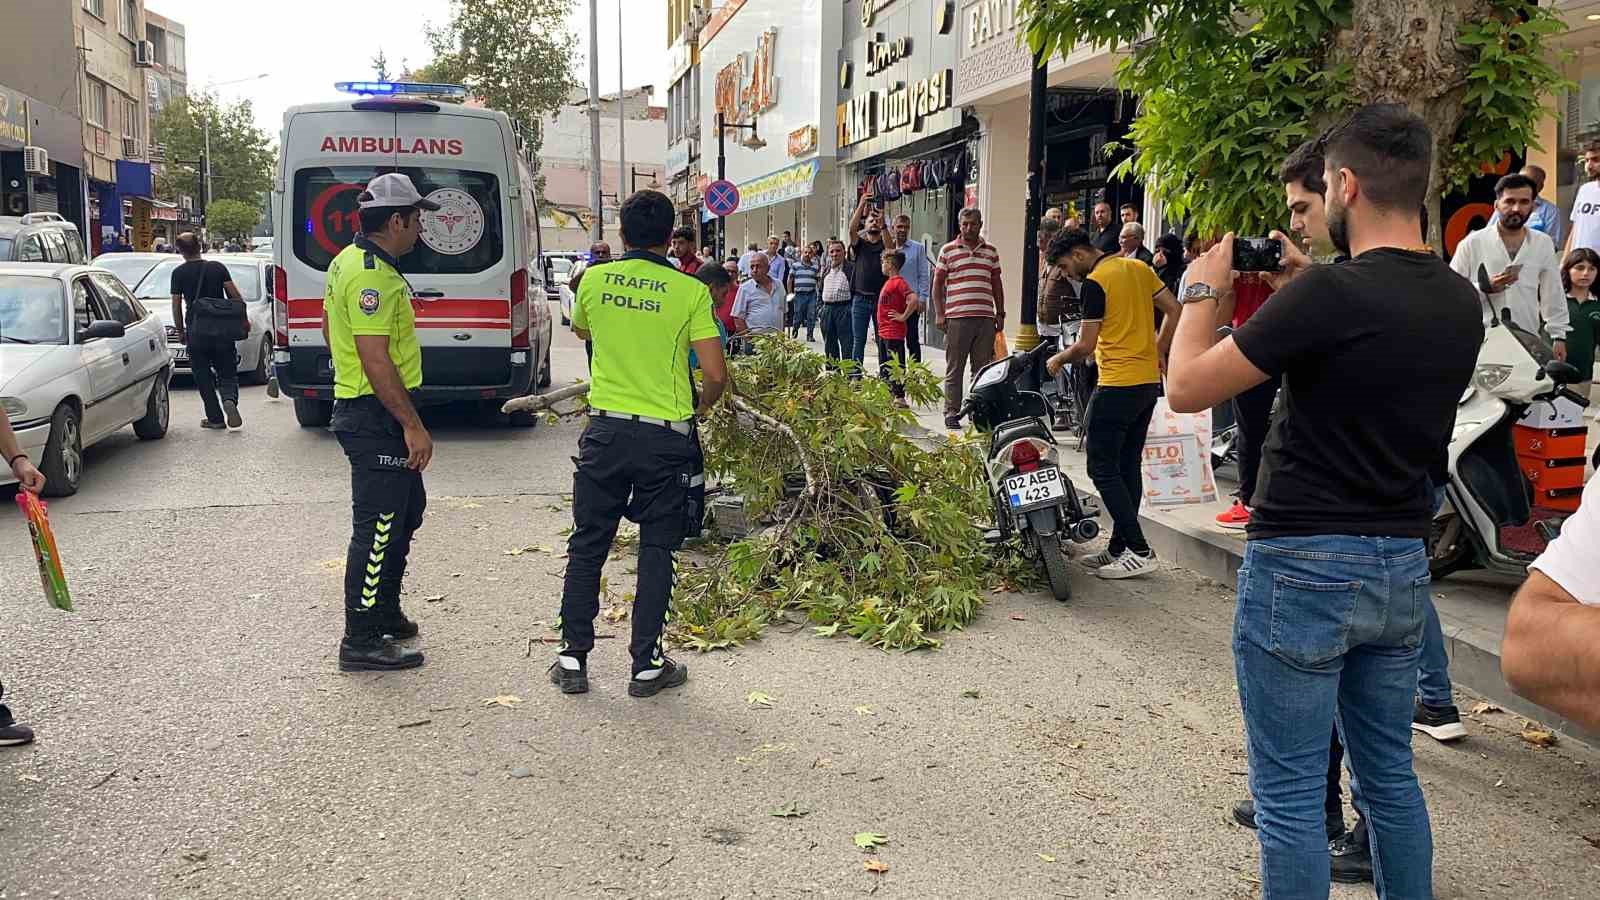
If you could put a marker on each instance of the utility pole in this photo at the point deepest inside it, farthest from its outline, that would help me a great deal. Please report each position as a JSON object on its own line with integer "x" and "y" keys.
{"x": 205, "y": 184}
{"x": 1028, "y": 331}
{"x": 27, "y": 141}
{"x": 722, "y": 174}
{"x": 598, "y": 229}
{"x": 622, "y": 109}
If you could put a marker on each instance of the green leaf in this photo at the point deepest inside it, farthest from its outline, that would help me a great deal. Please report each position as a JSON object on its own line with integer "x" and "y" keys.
{"x": 790, "y": 810}
{"x": 870, "y": 840}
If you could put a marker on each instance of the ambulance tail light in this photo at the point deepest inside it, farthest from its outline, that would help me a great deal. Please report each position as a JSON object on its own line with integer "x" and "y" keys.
{"x": 519, "y": 309}
{"x": 280, "y": 307}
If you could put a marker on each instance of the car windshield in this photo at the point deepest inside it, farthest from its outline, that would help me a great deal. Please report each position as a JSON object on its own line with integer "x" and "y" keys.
{"x": 5, "y": 248}
{"x": 157, "y": 285}
{"x": 32, "y": 310}
{"x": 127, "y": 269}
{"x": 560, "y": 265}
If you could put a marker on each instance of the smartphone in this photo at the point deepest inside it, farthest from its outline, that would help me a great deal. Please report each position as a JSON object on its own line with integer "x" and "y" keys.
{"x": 1512, "y": 269}
{"x": 1257, "y": 254}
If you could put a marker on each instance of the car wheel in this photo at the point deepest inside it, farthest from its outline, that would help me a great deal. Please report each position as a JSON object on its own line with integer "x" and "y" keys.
{"x": 545, "y": 375}
{"x": 62, "y": 465}
{"x": 312, "y": 413}
{"x": 157, "y": 412}
{"x": 263, "y": 369}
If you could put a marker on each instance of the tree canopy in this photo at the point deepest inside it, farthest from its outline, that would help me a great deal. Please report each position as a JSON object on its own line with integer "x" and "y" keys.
{"x": 232, "y": 219}
{"x": 1228, "y": 88}
{"x": 513, "y": 55}
{"x": 242, "y": 155}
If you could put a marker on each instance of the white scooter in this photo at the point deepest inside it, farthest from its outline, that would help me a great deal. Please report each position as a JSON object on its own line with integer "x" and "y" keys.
{"x": 1487, "y": 521}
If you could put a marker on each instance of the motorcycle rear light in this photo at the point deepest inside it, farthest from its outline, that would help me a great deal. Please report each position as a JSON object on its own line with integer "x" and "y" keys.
{"x": 519, "y": 308}
{"x": 1024, "y": 456}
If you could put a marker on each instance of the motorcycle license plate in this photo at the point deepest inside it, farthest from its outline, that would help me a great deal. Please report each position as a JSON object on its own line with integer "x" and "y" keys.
{"x": 1040, "y": 487}
{"x": 181, "y": 354}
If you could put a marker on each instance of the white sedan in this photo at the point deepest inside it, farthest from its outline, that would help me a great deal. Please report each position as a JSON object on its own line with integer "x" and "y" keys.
{"x": 252, "y": 275}
{"x": 80, "y": 359}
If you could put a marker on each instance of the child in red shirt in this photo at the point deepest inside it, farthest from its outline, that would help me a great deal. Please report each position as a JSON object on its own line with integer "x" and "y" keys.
{"x": 896, "y": 303}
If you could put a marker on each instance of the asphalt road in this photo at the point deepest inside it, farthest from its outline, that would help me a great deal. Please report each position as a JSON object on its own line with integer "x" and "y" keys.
{"x": 197, "y": 740}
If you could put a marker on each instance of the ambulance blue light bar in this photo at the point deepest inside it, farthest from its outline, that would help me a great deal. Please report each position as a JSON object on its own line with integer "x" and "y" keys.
{"x": 400, "y": 88}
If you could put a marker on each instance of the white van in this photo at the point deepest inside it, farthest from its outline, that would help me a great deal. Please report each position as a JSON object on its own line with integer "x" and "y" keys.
{"x": 476, "y": 273}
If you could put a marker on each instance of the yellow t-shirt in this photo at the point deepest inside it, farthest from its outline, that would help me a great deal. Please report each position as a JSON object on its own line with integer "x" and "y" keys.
{"x": 1120, "y": 294}
{"x": 642, "y": 315}
{"x": 367, "y": 295}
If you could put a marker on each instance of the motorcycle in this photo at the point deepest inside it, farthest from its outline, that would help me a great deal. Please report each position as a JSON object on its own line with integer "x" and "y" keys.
{"x": 1033, "y": 499}
{"x": 1487, "y": 521}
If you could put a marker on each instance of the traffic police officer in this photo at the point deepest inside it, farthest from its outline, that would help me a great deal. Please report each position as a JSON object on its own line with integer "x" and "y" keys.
{"x": 370, "y": 328}
{"x": 640, "y": 455}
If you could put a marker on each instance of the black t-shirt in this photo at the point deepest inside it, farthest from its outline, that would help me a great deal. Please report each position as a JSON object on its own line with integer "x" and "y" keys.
{"x": 199, "y": 278}
{"x": 1109, "y": 240}
{"x": 1374, "y": 354}
{"x": 868, "y": 275}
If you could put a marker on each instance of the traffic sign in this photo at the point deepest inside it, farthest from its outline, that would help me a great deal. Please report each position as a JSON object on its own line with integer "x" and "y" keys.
{"x": 722, "y": 198}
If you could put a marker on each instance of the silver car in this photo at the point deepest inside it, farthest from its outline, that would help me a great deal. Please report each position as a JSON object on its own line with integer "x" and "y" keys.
{"x": 252, "y": 275}
{"x": 80, "y": 359}
{"x": 130, "y": 268}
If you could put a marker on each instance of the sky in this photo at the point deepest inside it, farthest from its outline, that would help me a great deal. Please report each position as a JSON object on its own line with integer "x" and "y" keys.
{"x": 304, "y": 46}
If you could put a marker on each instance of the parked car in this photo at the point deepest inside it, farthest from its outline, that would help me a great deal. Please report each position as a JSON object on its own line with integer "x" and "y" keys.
{"x": 80, "y": 358}
{"x": 252, "y": 275}
{"x": 565, "y": 291}
{"x": 40, "y": 237}
{"x": 130, "y": 268}
{"x": 557, "y": 267}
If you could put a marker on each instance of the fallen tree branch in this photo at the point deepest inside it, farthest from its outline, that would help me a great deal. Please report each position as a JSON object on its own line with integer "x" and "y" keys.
{"x": 537, "y": 402}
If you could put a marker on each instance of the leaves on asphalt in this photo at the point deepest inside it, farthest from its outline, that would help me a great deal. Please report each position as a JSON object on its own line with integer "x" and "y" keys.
{"x": 1484, "y": 707}
{"x": 971, "y": 694}
{"x": 433, "y": 598}
{"x": 521, "y": 772}
{"x": 875, "y": 866}
{"x": 1076, "y": 745}
{"x": 870, "y": 840}
{"x": 864, "y": 711}
{"x": 1046, "y": 857}
{"x": 509, "y": 701}
{"x": 1538, "y": 737}
{"x": 790, "y": 810}
{"x": 761, "y": 699}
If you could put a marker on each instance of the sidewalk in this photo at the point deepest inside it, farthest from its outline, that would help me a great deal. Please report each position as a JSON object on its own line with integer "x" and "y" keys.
{"x": 1472, "y": 605}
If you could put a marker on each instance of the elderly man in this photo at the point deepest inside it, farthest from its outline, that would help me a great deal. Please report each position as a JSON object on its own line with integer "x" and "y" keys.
{"x": 969, "y": 306}
{"x": 1131, "y": 243}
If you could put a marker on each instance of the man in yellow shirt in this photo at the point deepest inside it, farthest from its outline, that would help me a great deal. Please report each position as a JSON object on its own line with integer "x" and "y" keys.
{"x": 370, "y": 328}
{"x": 640, "y": 455}
{"x": 1120, "y": 296}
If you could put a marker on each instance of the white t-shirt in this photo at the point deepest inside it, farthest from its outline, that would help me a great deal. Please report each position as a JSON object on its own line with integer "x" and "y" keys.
{"x": 1570, "y": 559}
{"x": 1586, "y": 217}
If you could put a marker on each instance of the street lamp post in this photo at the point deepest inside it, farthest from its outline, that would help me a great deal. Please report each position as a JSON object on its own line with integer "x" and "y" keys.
{"x": 722, "y": 172}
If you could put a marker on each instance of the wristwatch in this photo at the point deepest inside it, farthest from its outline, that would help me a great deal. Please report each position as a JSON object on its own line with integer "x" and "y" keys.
{"x": 1198, "y": 291}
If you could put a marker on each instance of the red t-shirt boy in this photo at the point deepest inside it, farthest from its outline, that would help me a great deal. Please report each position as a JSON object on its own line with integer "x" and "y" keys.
{"x": 896, "y": 302}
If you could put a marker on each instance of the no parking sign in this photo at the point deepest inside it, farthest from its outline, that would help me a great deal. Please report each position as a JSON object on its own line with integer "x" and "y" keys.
{"x": 722, "y": 197}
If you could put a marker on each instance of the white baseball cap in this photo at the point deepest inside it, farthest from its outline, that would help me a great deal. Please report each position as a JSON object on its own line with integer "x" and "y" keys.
{"x": 393, "y": 189}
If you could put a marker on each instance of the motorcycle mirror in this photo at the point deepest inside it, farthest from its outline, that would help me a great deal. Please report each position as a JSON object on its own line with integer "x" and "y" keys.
{"x": 1562, "y": 372}
{"x": 1505, "y": 315}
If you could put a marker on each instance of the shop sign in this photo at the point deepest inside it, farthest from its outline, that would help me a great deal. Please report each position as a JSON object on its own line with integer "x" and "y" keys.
{"x": 13, "y": 117}
{"x": 882, "y": 54}
{"x": 887, "y": 110}
{"x": 803, "y": 140}
{"x": 991, "y": 52}
{"x": 870, "y": 10}
{"x": 788, "y": 183}
{"x": 748, "y": 86}
{"x": 677, "y": 157}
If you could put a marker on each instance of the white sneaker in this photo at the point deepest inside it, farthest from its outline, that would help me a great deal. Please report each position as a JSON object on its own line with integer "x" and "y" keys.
{"x": 1129, "y": 565}
{"x": 1103, "y": 558}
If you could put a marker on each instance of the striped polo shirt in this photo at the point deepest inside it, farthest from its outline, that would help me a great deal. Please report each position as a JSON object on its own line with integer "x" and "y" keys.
{"x": 805, "y": 278}
{"x": 969, "y": 274}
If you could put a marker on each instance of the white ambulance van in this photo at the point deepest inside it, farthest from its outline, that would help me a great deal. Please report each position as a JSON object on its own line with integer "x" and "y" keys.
{"x": 476, "y": 274}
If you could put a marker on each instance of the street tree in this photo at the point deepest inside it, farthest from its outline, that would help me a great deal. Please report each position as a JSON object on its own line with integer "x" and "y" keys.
{"x": 514, "y": 55}
{"x": 380, "y": 66}
{"x": 1228, "y": 88}
{"x": 242, "y": 155}
{"x": 232, "y": 219}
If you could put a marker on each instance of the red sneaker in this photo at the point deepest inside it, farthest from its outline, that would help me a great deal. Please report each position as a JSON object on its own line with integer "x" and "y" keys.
{"x": 1236, "y": 518}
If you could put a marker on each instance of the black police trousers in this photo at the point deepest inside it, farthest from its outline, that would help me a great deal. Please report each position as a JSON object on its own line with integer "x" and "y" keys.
{"x": 638, "y": 470}
{"x": 387, "y": 502}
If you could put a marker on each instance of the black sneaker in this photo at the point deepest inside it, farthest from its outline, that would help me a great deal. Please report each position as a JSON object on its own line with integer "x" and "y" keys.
{"x": 1442, "y": 723}
{"x": 12, "y": 734}
{"x": 571, "y": 681}
{"x": 231, "y": 410}
{"x": 213, "y": 426}
{"x": 952, "y": 422}
{"x": 1244, "y": 812}
{"x": 398, "y": 627}
{"x": 672, "y": 675}
{"x": 1350, "y": 859}
{"x": 375, "y": 655}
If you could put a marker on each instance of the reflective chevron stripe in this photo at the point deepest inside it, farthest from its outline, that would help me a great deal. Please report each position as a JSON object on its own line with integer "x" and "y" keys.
{"x": 380, "y": 545}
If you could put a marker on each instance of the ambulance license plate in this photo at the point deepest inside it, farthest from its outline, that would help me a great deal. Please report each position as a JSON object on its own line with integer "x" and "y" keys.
{"x": 1041, "y": 487}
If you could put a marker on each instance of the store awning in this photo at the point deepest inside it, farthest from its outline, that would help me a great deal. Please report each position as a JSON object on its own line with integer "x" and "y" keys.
{"x": 133, "y": 179}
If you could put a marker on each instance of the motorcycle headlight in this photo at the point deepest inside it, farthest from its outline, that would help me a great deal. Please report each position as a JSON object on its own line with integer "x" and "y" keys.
{"x": 14, "y": 407}
{"x": 1489, "y": 377}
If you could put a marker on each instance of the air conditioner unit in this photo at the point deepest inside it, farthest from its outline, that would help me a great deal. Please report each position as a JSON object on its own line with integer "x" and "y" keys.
{"x": 35, "y": 161}
{"x": 144, "y": 55}
{"x": 130, "y": 148}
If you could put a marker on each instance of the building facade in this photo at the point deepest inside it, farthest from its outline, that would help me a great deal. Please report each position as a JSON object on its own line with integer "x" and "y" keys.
{"x": 165, "y": 81}
{"x": 114, "y": 56}
{"x": 685, "y": 178}
{"x": 39, "y": 108}
{"x": 565, "y": 160}
{"x": 771, "y": 66}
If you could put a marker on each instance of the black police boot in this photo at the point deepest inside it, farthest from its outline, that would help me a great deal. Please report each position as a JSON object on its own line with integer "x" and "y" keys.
{"x": 1350, "y": 857}
{"x": 397, "y": 626}
{"x": 570, "y": 681}
{"x": 375, "y": 654}
{"x": 1244, "y": 812}
{"x": 672, "y": 674}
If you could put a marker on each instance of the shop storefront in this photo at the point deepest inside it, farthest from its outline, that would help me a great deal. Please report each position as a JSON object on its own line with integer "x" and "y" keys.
{"x": 763, "y": 66}
{"x": 24, "y": 121}
{"x": 901, "y": 137}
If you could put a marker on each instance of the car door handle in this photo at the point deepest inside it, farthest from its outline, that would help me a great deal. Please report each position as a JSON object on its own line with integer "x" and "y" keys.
{"x": 428, "y": 295}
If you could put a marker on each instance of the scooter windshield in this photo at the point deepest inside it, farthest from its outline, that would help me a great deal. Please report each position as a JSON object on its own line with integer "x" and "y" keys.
{"x": 1537, "y": 346}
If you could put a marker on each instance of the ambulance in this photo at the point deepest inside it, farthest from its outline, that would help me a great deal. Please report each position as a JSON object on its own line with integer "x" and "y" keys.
{"x": 476, "y": 274}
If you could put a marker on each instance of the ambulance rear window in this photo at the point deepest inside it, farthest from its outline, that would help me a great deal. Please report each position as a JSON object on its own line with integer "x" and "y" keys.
{"x": 463, "y": 237}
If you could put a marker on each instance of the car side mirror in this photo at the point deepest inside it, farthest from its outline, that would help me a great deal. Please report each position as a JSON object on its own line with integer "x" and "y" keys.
{"x": 106, "y": 328}
{"x": 1562, "y": 372}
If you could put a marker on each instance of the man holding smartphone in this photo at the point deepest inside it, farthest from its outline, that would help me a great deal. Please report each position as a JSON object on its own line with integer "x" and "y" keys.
{"x": 1519, "y": 265}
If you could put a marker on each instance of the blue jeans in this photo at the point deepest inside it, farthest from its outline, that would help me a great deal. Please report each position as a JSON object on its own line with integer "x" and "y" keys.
{"x": 1328, "y": 632}
{"x": 804, "y": 312}
{"x": 836, "y": 327}
{"x": 863, "y": 315}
